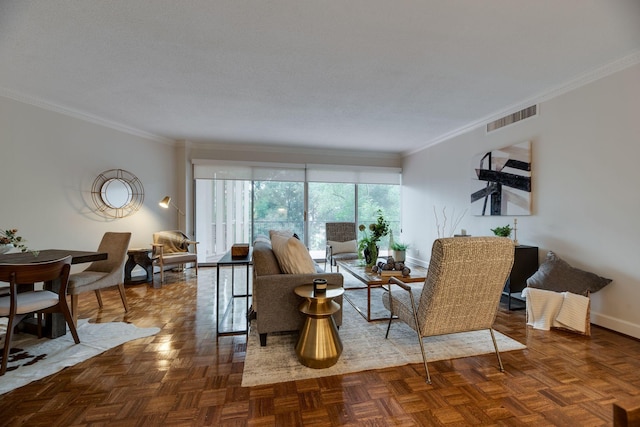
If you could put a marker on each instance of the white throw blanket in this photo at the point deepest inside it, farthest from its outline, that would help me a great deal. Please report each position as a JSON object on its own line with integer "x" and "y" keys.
{"x": 546, "y": 309}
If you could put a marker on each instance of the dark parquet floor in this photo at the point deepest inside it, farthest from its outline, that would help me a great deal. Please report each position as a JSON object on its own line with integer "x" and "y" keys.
{"x": 184, "y": 376}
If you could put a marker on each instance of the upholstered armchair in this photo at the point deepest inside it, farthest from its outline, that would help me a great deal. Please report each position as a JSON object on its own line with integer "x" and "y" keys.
{"x": 461, "y": 292}
{"x": 341, "y": 243}
{"x": 173, "y": 248}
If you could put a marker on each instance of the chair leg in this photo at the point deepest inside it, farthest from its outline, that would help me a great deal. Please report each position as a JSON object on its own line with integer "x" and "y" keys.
{"x": 7, "y": 346}
{"x": 74, "y": 309}
{"x": 39, "y": 317}
{"x": 71, "y": 321}
{"x": 196, "y": 264}
{"x": 99, "y": 297}
{"x": 495, "y": 345}
{"x": 123, "y": 297}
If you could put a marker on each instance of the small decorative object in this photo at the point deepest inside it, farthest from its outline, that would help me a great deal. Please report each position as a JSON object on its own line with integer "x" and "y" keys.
{"x": 368, "y": 244}
{"x": 319, "y": 286}
{"x": 442, "y": 229}
{"x": 239, "y": 250}
{"x": 10, "y": 239}
{"x": 515, "y": 231}
{"x": 399, "y": 251}
{"x": 502, "y": 231}
{"x": 391, "y": 268}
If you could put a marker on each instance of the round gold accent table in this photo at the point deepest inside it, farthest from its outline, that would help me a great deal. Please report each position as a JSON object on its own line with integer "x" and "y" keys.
{"x": 319, "y": 344}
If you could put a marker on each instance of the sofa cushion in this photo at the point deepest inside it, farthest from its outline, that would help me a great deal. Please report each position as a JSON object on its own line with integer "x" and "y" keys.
{"x": 557, "y": 275}
{"x": 264, "y": 260}
{"x": 292, "y": 255}
{"x": 349, "y": 246}
{"x": 283, "y": 233}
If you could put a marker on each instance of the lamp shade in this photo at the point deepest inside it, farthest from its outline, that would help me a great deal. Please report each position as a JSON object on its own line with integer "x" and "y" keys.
{"x": 165, "y": 202}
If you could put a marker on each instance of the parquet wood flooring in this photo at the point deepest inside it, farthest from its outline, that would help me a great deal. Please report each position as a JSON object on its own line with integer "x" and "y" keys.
{"x": 183, "y": 376}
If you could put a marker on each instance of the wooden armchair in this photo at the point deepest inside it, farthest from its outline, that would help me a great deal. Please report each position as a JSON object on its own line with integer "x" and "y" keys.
{"x": 173, "y": 248}
{"x": 461, "y": 292}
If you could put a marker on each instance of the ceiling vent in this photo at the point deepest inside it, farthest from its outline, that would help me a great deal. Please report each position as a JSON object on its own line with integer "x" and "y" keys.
{"x": 512, "y": 118}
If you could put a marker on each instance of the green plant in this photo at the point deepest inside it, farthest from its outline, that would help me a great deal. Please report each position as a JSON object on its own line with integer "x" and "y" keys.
{"x": 375, "y": 232}
{"x": 399, "y": 246}
{"x": 502, "y": 231}
{"x": 10, "y": 237}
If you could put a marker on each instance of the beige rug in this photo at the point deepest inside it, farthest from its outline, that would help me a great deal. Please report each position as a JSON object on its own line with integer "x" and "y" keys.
{"x": 32, "y": 358}
{"x": 364, "y": 348}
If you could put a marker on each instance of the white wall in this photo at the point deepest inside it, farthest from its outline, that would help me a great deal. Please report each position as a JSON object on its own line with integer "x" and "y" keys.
{"x": 585, "y": 181}
{"x": 48, "y": 162}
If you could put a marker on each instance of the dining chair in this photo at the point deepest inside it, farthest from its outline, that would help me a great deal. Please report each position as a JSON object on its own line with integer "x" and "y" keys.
{"x": 461, "y": 291}
{"x": 108, "y": 273}
{"x": 18, "y": 303}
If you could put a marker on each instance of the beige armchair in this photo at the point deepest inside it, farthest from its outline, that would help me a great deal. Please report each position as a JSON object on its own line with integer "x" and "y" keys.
{"x": 103, "y": 274}
{"x": 173, "y": 248}
{"x": 461, "y": 292}
{"x": 342, "y": 243}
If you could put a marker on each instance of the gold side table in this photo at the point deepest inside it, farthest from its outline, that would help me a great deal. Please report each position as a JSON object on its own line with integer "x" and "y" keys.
{"x": 319, "y": 344}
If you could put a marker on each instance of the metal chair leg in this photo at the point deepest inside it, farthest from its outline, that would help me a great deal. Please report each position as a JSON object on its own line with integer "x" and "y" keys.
{"x": 495, "y": 345}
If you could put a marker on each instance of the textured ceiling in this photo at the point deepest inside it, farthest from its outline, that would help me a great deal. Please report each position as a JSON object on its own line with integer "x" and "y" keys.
{"x": 381, "y": 75}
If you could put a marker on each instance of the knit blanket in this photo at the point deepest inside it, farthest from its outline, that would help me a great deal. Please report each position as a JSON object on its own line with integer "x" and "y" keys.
{"x": 547, "y": 309}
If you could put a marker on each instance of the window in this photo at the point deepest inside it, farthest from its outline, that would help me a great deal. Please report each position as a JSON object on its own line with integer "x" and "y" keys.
{"x": 236, "y": 201}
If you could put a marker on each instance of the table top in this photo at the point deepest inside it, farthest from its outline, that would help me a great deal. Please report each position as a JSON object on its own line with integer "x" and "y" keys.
{"x": 139, "y": 250}
{"x": 227, "y": 259}
{"x": 77, "y": 257}
{"x": 306, "y": 291}
{"x": 359, "y": 271}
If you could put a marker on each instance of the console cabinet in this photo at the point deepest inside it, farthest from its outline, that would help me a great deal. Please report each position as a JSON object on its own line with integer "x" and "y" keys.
{"x": 525, "y": 263}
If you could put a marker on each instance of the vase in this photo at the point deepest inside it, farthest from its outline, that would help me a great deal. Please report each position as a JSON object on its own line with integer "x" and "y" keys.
{"x": 370, "y": 254}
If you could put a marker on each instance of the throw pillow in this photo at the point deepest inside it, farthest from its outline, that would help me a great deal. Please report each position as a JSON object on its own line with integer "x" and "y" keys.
{"x": 557, "y": 275}
{"x": 292, "y": 255}
{"x": 342, "y": 247}
{"x": 285, "y": 233}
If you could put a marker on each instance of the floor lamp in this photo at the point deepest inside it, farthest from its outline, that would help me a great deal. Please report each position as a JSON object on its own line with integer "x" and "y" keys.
{"x": 166, "y": 202}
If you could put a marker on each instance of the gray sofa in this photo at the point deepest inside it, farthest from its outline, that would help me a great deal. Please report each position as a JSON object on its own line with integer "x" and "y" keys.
{"x": 274, "y": 302}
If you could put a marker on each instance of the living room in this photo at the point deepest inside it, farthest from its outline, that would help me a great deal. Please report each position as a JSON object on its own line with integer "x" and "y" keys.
{"x": 584, "y": 197}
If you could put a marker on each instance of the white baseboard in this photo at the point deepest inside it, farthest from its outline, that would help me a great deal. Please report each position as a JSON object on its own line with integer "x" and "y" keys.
{"x": 616, "y": 324}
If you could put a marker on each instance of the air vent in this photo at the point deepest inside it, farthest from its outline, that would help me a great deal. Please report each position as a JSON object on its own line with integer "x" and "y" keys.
{"x": 512, "y": 118}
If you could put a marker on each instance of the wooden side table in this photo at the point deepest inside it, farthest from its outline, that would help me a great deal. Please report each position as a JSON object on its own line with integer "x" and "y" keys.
{"x": 319, "y": 344}
{"x": 138, "y": 257}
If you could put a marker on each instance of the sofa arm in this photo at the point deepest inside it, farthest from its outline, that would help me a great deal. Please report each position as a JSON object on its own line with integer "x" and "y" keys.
{"x": 277, "y": 305}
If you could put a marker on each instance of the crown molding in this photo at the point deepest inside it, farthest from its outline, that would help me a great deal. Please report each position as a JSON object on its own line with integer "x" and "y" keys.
{"x": 6, "y": 93}
{"x": 269, "y": 148}
{"x": 575, "y": 83}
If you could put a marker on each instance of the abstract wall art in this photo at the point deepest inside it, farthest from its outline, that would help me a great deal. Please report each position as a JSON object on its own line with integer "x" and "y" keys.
{"x": 502, "y": 181}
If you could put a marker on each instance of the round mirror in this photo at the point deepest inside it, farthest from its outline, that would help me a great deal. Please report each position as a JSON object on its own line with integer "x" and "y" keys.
{"x": 116, "y": 193}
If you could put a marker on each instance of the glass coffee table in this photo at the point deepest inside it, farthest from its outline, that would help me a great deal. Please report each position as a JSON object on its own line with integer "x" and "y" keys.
{"x": 371, "y": 280}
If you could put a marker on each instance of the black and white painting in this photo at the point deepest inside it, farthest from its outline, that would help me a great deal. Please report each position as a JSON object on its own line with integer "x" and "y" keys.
{"x": 502, "y": 181}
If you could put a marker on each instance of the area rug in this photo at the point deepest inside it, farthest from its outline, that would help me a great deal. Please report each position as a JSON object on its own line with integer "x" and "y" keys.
{"x": 32, "y": 358}
{"x": 364, "y": 348}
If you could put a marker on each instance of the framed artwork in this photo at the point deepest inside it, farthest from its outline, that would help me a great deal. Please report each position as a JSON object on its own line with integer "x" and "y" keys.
{"x": 501, "y": 181}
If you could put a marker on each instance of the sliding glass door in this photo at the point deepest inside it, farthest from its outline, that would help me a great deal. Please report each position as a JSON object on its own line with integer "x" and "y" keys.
{"x": 235, "y": 202}
{"x": 278, "y": 206}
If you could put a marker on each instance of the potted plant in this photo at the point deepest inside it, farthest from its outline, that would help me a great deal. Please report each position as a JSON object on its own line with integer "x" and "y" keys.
{"x": 502, "y": 231}
{"x": 399, "y": 251}
{"x": 368, "y": 244}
